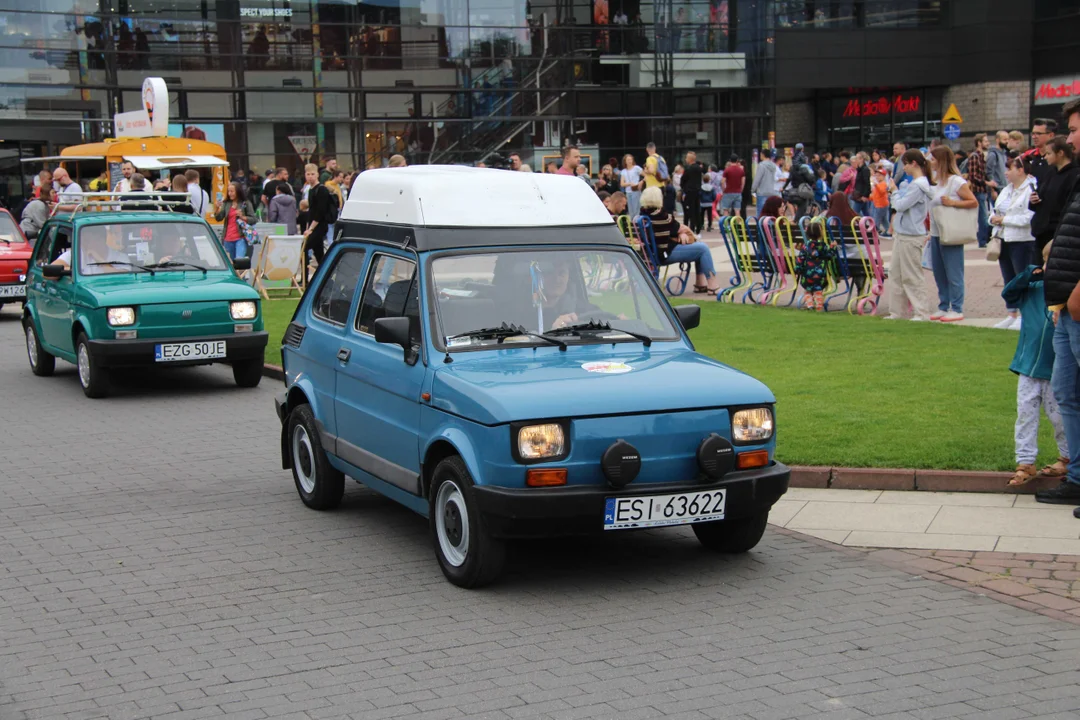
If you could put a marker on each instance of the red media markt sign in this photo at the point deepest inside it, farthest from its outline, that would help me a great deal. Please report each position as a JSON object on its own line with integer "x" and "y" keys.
{"x": 1050, "y": 91}
{"x": 882, "y": 106}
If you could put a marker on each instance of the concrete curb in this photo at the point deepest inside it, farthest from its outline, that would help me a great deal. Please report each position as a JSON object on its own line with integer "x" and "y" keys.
{"x": 925, "y": 480}
{"x": 274, "y": 372}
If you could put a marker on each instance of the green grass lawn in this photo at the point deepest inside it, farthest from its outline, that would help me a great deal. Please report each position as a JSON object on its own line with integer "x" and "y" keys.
{"x": 856, "y": 391}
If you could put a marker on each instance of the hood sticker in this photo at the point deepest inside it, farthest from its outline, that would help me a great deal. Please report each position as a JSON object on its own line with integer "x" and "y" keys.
{"x": 606, "y": 367}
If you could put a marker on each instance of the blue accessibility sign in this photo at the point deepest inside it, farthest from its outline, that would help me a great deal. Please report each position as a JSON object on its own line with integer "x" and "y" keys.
{"x": 952, "y": 131}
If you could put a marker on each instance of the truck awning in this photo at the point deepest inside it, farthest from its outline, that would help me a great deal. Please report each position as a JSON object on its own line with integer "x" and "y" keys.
{"x": 161, "y": 162}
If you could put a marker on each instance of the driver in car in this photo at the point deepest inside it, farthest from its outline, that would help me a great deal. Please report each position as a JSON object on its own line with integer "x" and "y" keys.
{"x": 560, "y": 302}
{"x": 100, "y": 249}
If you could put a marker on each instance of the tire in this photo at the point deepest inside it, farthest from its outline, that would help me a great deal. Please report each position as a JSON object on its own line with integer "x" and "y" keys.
{"x": 319, "y": 483}
{"x": 41, "y": 363}
{"x": 93, "y": 378}
{"x": 247, "y": 373}
{"x": 732, "y": 536}
{"x": 468, "y": 555}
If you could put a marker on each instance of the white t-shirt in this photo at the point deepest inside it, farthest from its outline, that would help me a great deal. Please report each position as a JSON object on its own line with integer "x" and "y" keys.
{"x": 951, "y": 189}
{"x": 70, "y": 195}
{"x": 111, "y": 256}
{"x": 632, "y": 176}
{"x": 200, "y": 200}
{"x": 123, "y": 186}
{"x": 781, "y": 180}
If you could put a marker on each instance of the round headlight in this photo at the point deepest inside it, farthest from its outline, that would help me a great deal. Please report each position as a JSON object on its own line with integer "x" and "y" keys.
{"x": 118, "y": 316}
{"x": 541, "y": 441}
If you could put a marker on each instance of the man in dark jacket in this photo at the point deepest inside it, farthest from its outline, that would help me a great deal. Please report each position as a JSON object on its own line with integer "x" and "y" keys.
{"x": 322, "y": 211}
{"x": 860, "y": 195}
{"x": 691, "y": 191}
{"x": 1062, "y": 287}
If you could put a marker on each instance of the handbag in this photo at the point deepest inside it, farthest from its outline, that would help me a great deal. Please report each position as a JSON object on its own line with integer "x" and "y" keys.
{"x": 993, "y": 249}
{"x": 250, "y": 236}
{"x": 956, "y": 226}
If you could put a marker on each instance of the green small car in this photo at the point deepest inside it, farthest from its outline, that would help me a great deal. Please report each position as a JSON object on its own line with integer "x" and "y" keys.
{"x": 123, "y": 288}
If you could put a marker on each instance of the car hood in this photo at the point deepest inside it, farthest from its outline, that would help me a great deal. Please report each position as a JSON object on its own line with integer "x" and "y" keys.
{"x": 500, "y": 386}
{"x": 167, "y": 287}
{"x": 15, "y": 251}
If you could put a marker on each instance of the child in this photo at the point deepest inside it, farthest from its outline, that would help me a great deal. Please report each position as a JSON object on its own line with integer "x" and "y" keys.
{"x": 821, "y": 190}
{"x": 879, "y": 196}
{"x": 1034, "y": 363}
{"x": 811, "y": 267}
{"x": 708, "y": 197}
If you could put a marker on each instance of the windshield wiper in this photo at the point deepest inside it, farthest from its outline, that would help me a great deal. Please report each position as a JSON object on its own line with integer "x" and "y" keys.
{"x": 504, "y": 331}
{"x": 123, "y": 262}
{"x": 177, "y": 263}
{"x": 595, "y": 327}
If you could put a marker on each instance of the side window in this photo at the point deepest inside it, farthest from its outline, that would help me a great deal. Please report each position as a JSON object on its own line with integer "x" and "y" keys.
{"x": 63, "y": 243}
{"x": 337, "y": 291}
{"x": 42, "y": 254}
{"x": 391, "y": 291}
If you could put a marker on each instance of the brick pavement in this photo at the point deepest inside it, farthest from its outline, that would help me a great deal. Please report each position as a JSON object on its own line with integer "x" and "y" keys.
{"x": 156, "y": 562}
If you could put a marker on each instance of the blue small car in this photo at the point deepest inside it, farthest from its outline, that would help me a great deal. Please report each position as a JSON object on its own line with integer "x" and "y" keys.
{"x": 483, "y": 347}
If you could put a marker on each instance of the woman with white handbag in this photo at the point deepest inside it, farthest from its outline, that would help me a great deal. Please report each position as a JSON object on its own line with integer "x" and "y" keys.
{"x": 954, "y": 222}
{"x": 1012, "y": 231}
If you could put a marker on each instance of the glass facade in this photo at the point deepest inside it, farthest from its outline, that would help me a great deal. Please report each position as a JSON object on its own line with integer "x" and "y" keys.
{"x": 879, "y": 118}
{"x": 437, "y": 80}
{"x": 850, "y": 14}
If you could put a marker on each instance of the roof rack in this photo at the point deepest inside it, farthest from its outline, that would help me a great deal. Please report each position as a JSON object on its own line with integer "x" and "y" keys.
{"x": 93, "y": 200}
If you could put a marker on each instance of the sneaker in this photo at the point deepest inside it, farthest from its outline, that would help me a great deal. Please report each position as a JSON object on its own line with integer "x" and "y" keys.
{"x": 1066, "y": 493}
{"x": 1006, "y": 323}
{"x": 918, "y": 319}
{"x": 892, "y": 316}
{"x": 952, "y": 316}
{"x": 937, "y": 315}
{"x": 1015, "y": 325}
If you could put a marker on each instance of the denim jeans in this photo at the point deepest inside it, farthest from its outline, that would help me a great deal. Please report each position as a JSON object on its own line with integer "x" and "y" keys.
{"x": 633, "y": 203}
{"x": 1014, "y": 259}
{"x": 761, "y": 203}
{"x": 697, "y": 253}
{"x": 1066, "y": 384}
{"x": 984, "y": 222}
{"x": 236, "y": 248}
{"x": 881, "y": 219}
{"x": 861, "y": 207}
{"x": 948, "y": 265}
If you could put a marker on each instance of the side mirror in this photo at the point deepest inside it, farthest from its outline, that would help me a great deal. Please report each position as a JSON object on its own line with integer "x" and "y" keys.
{"x": 689, "y": 315}
{"x": 243, "y": 263}
{"x": 54, "y": 272}
{"x": 393, "y": 331}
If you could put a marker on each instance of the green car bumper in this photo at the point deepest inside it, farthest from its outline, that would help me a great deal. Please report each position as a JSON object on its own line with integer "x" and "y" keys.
{"x": 117, "y": 353}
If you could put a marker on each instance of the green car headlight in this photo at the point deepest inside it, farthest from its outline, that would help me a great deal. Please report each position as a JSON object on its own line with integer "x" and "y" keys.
{"x": 243, "y": 310}
{"x": 752, "y": 426}
{"x": 119, "y": 316}
{"x": 536, "y": 442}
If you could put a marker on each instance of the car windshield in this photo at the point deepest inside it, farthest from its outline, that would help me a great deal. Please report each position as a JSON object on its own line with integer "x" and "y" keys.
{"x": 8, "y": 232}
{"x": 578, "y": 296}
{"x": 134, "y": 247}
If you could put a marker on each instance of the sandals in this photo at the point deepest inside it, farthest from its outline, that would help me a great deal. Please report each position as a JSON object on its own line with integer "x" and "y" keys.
{"x": 702, "y": 289}
{"x": 1057, "y": 468}
{"x": 1023, "y": 475}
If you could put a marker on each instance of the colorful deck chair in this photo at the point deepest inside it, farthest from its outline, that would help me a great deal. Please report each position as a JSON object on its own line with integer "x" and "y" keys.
{"x": 866, "y": 238}
{"x": 652, "y": 260}
{"x": 781, "y": 240}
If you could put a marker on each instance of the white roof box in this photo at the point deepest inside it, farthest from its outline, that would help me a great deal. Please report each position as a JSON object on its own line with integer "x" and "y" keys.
{"x": 453, "y": 196}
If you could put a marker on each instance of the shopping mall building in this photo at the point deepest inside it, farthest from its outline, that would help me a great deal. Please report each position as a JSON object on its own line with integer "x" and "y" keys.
{"x": 450, "y": 81}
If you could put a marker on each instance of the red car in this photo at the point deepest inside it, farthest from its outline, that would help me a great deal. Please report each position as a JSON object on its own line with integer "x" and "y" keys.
{"x": 15, "y": 253}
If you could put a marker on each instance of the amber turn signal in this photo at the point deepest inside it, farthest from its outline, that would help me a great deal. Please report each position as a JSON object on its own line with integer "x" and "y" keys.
{"x": 545, "y": 477}
{"x": 752, "y": 459}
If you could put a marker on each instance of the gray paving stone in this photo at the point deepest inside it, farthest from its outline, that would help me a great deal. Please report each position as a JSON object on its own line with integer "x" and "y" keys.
{"x": 156, "y": 562}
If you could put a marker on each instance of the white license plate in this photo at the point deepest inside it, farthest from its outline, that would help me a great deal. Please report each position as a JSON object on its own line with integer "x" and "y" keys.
{"x": 12, "y": 291}
{"x": 172, "y": 352}
{"x": 658, "y": 510}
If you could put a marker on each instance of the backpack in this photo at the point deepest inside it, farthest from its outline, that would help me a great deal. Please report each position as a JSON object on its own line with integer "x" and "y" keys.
{"x": 661, "y": 169}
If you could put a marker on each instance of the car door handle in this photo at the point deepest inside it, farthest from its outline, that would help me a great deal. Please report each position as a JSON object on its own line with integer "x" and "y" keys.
{"x": 344, "y": 354}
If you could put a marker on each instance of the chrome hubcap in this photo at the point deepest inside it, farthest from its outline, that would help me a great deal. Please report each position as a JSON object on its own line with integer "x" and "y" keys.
{"x": 303, "y": 456}
{"x": 452, "y": 523}
{"x": 84, "y": 366}
{"x": 31, "y": 346}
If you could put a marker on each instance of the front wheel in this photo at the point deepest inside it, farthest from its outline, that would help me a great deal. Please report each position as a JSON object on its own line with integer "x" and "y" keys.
{"x": 41, "y": 362}
{"x": 468, "y": 555}
{"x": 93, "y": 378}
{"x": 247, "y": 373}
{"x": 732, "y": 536}
{"x": 319, "y": 483}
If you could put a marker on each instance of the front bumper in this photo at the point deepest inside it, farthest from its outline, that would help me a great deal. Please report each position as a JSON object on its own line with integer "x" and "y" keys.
{"x": 536, "y": 512}
{"x": 116, "y": 353}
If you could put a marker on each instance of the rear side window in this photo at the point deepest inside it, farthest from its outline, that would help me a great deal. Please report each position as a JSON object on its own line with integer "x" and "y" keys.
{"x": 390, "y": 291}
{"x": 337, "y": 291}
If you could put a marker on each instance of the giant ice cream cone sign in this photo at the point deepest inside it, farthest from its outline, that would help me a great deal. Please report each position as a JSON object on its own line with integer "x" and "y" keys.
{"x": 152, "y": 119}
